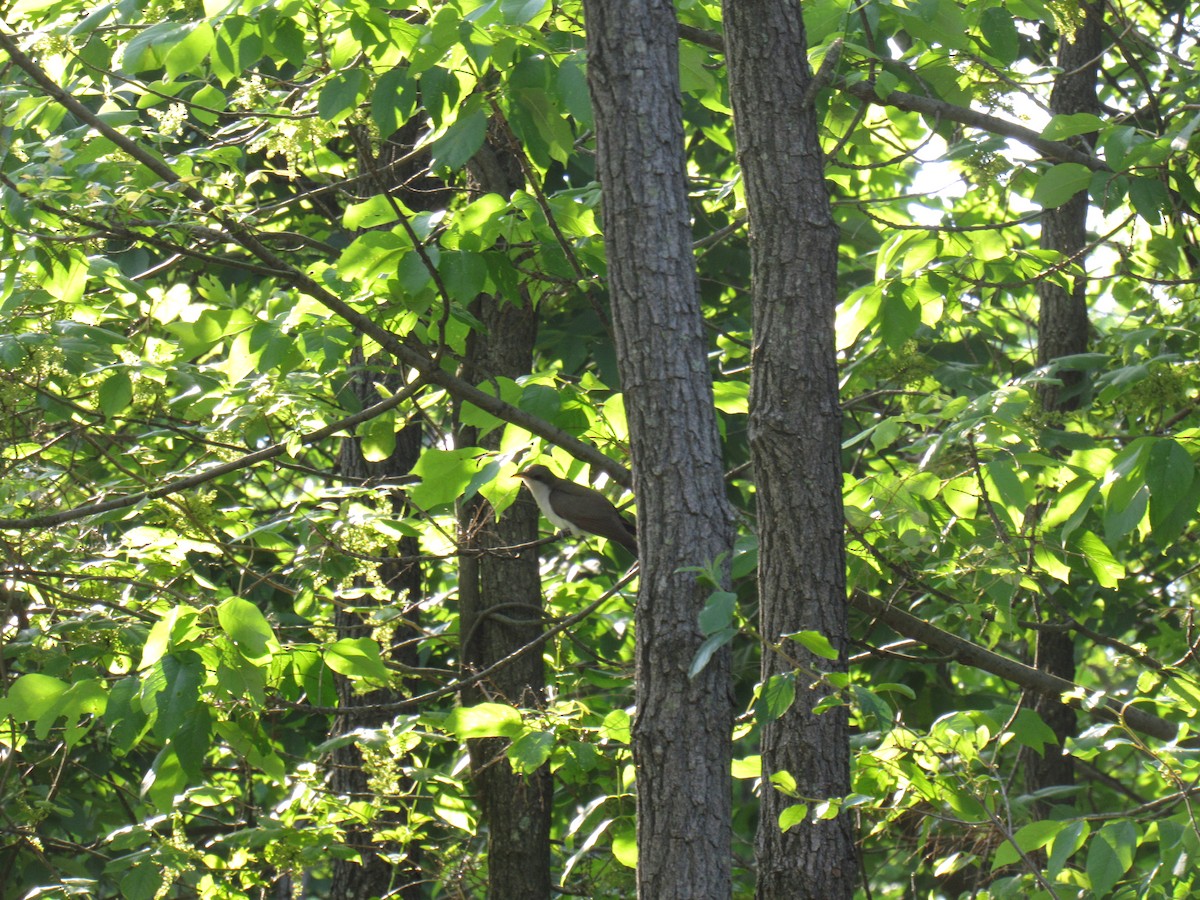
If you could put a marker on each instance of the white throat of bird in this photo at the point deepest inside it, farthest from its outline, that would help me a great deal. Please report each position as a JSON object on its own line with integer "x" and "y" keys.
{"x": 541, "y": 494}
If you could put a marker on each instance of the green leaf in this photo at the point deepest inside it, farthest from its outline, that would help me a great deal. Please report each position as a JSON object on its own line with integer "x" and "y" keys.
{"x": 1062, "y": 127}
{"x": 872, "y": 706}
{"x": 372, "y": 212}
{"x": 776, "y": 696}
{"x": 1110, "y": 854}
{"x": 239, "y": 45}
{"x": 539, "y": 124}
{"x": 1186, "y": 690}
{"x": 1029, "y": 838}
{"x": 1170, "y": 477}
{"x": 149, "y": 48}
{"x": 1100, "y": 560}
{"x": 1120, "y": 520}
{"x": 899, "y": 315}
{"x": 249, "y": 630}
{"x": 1117, "y": 142}
{"x": 166, "y": 779}
{"x": 123, "y": 715}
{"x": 694, "y": 74}
{"x": 464, "y": 274}
{"x": 115, "y": 393}
{"x": 796, "y": 814}
{"x": 373, "y": 254}
{"x": 357, "y": 658}
{"x": 214, "y": 102}
{"x": 394, "y": 100}
{"x": 530, "y": 751}
{"x": 192, "y": 740}
{"x": 439, "y": 92}
{"x": 444, "y": 475}
{"x": 287, "y": 38}
{"x": 521, "y": 12}
{"x": 717, "y": 614}
{"x": 341, "y": 95}
{"x": 1060, "y": 183}
{"x": 616, "y": 727}
{"x": 1150, "y": 198}
{"x": 377, "y": 438}
{"x": 80, "y": 705}
{"x": 710, "y": 646}
{"x": 1066, "y": 844}
{"x": 625, "y": 846}
{"x": 30, "y": 695}
{"x": 483, "y": 215}
{"x": 182, "y": 675}
{"x": 573, "y": 89}
{"x": 1051, "y": 564}
{"x": 747, "y": 767}
{"x": 189, "y": 52}
{"x": 484, "y": 720}
{"x": 1166, "y": 526}
{"x": 1000, "y": 33}
{"x": 1169, "y": 470}
{"x": 462, "y": 140}
{"x": 816, "y": 643}
{"x": 885, "y": 83}
{"x": 142, "y": 882}
{"x": 732, "y": 397}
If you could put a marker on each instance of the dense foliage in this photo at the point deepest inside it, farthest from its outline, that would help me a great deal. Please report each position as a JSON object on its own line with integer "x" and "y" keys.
{"x": 186, "y": 186}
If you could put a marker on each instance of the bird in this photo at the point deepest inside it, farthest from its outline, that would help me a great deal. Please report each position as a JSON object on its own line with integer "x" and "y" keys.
{"x": 578, "y": 509}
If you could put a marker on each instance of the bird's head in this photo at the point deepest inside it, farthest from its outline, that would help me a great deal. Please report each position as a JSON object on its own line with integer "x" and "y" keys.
{"x": 538, "y": 473}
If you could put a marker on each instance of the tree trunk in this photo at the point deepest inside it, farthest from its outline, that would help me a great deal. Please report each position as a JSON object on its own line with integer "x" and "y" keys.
{"x": 500, "y": 597}
{"x": 1063, "y": 318}
{"x": 681, "y": 733}
{"x": 795, "y": 441}
{"x": 375, "y": 875}
{"x": 1063, "y": 331}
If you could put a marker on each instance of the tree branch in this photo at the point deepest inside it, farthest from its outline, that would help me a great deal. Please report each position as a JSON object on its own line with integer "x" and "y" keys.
{"x": 403, "y": 352}
{"x": 930, "y": 106}
{"x": 182, "y": 484}
{"x": 1018, "y": 673}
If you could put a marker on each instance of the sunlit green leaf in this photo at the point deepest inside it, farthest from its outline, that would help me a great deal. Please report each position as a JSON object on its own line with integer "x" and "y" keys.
{"x": 1060, "y": 183}
{"x": 249, "y": 630}
{"x": 356, "y": 658}
{"x": 484, "y": 720}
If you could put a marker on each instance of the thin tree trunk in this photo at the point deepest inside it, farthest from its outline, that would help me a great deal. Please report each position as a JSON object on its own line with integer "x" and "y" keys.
{"x": 681, "y": 733}
{"x": 500, "y": 598}
{"x": 795, "y": 442}
{"x": 375, "y": 875}
{"x": 1063, "y": 317}
{"x": 1063, "y": 331}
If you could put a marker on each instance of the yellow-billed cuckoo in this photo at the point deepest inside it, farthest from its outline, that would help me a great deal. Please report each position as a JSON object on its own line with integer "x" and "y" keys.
{"x": 578, "y": 509}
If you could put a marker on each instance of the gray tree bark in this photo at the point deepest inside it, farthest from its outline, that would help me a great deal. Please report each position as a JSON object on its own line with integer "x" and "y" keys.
{"x": 500, "y": 594}
{"x": 795, "y": 441}
{"x": 1063, "y": 317}
{"x": 1063, "y": 331}
{"x": 681, "y": 733}
{"x": 376, "y": 876}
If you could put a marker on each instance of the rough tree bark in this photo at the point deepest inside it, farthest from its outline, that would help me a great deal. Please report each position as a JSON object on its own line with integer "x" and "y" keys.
{"x": 500, "y": 597}
{"x": 1063, "y": 331}
{"x": 374, "y": 875}
{"x": 681, "y": 733}
{"x": 795, "y": 440}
